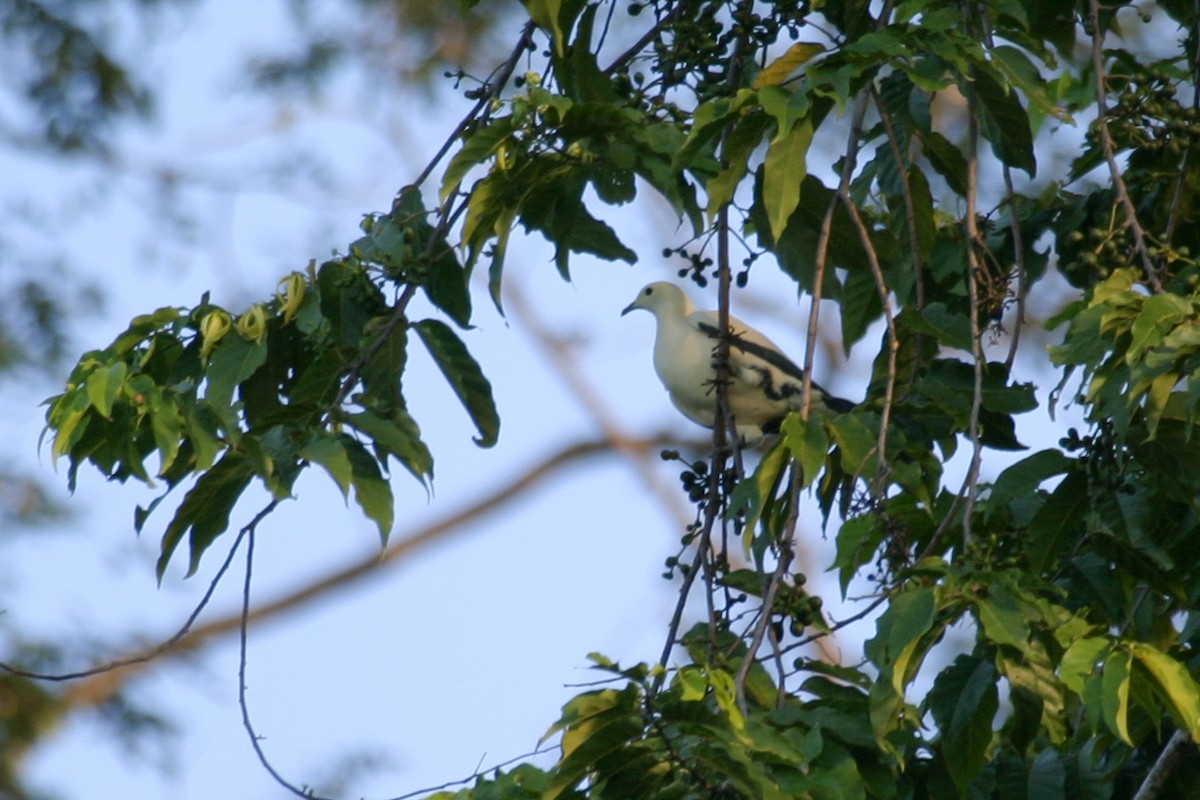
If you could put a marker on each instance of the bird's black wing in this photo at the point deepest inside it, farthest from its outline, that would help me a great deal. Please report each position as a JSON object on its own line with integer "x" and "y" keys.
{"x": 838, "y": 405}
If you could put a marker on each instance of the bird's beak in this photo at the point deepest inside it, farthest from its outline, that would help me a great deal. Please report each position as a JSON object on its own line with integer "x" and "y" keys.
{"x": 629, "y": 308}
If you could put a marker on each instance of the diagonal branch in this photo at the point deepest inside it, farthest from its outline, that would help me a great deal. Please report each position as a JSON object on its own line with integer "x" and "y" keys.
{"x": 99, "y": 688}
{"x": 1107, "y": 147}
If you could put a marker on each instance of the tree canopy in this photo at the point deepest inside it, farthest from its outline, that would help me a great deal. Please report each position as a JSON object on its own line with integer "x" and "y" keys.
{"x": 901, "y": 162}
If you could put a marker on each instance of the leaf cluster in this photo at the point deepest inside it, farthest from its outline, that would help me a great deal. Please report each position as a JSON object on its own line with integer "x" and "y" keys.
{"x": 313, "y": 376}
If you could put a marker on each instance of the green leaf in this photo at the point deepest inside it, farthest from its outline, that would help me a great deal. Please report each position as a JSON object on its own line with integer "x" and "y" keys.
{"x": 755, "y": 494}
{"x": 555, "y": 16}
{"x": 318, "y": 383}
{"x": 952, "y": 330}
{"x": 202, "y": 433}
{"x": 1024, "y": 477}
{"x": 66, "y": 416}
{"x": 857, "y": 443}
{"x": 381, "y": 375}
{"x": 104, "y": 384}
{"x": 234, "y": 360}
{"x": 349, "y": 300}
{"x": 899, "y": 632}
{"x": 1160, "y": 313}
{"x": 1000, "y": 614}
{"x": 807, "y": 442}
{"x": 398, "y": 436}
{"x": 784, "y": 170}
{"x": 1004, "y": 122}
{"x": 204, "y": 513}
{"x": 480, "y": 145}
{"x": 947, "y": 160}
{"x": 446, "y": 286}
{"x": 371, "y": 491}
{"x": 857, "y": 541}
{"x": 465, "y": 377}
{"x": 167, "y": 429}
{"x": 1079, "y": 661}
{"x": 1059, "y": 521}
{"x": 1047, "y": 777}
{"x": 329, "y": 452}
{"x": 555, "y": 207}
{"x": 964, "y": 701}
{"x": 743, "y": 139}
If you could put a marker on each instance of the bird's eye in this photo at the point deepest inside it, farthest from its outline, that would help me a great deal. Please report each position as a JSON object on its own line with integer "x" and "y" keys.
{"x": 649, "y": 291}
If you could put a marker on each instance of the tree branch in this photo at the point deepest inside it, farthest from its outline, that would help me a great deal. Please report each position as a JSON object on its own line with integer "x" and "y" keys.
{"x": 102, "y": 687}
{"x": 1168, "y": 760}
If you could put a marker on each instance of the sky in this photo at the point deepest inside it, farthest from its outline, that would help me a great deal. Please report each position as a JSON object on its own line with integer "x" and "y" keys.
{"x": 457, "y": 658}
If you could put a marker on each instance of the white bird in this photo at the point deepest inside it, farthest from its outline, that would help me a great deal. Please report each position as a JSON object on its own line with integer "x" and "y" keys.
{"x": 764, "y": 384}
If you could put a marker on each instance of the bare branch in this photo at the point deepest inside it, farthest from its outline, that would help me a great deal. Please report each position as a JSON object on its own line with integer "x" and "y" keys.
{"x": 1106, "y": 144}
{"x": 1166, "y": 764}
{"x": 167, "y": 644}
{"x": 973, "y": 267}
{"x": 100, "y": 688}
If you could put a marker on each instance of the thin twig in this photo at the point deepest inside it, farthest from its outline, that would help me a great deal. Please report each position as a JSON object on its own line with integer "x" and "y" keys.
{"x": 166, "y": 644}
{"x": 243, "y": 705}
{"x": 972, "y": 236}
{"x": 1017, "y": 237}
{"x": 784, "y": 560}
{"x": 1106, "y": 145}
{"x": 646, "y": 38}
{"x": 447, "y": 212}
{"x": 247, "y": 723}
{"x": 482, "y": 108}
{"x": 893, "y": 344}
{"x": 824, "y": 238}
{"x": 1176, "y": 212}
{"x": 910, "y": 208}
{"x": 99, "y": 689}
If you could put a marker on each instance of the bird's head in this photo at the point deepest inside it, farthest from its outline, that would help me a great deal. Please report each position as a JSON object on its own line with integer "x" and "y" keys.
{"x": 658, "y": 297}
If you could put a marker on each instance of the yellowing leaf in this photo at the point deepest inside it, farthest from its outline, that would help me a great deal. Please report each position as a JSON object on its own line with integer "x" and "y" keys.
{"x": 1175, "y": 683}
{"x": 796, "y": 56}
{"x": 1114, "y": 694}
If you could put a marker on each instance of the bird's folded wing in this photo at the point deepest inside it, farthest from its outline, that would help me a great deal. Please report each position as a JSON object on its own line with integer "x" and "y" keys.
{"x": 755, "y": 359}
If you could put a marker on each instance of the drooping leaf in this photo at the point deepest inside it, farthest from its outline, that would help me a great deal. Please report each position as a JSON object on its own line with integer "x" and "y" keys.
{"x": 1004, "y": 122}
{"x": 167, "y": 427}
{"x": 329, "y": 451}
{"x": 382, "y": 374}
{"x": 203, "y": 515}
{"x": 807, "y": 442}
{"x": 399, "y": 436}
{"x": 1176, "y": 685}
{"x": 465, "y": 377}
{"x": 556, "y": 208}
{"x": 964, "y": 701}
{"x": 372, "y": 492}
